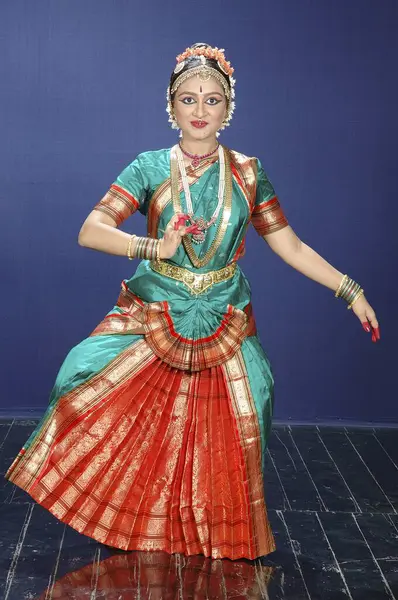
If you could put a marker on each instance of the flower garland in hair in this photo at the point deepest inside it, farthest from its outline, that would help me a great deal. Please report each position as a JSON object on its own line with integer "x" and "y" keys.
{"x": 214, "y": 53}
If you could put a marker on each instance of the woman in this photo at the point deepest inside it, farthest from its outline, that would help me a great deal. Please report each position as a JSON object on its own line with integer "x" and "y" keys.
{"x": 157, "y": 426}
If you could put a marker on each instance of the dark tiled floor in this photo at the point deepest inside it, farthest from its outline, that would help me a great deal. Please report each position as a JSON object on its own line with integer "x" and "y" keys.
{"x": 332, "y": 496}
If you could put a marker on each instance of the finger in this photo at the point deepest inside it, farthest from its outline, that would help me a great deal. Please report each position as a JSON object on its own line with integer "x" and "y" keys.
{"x": 366, "y": 326}
{"x": 180, "y": 222}
{"x": 375, "y": 328}
{"x": 373, "y": 321}
{"x": 175, "y": 218}
{"x": 170, "y": 224}
{"x": 375, "y": 331}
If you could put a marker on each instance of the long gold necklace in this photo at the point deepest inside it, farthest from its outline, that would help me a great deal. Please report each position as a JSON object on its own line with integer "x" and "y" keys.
{"x": 200, "y": 222}
{"x": 226, "y": 209}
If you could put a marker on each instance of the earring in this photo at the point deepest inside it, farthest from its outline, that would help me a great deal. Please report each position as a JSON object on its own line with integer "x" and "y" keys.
{"x": 172, "y": 119}
{"x": 170, "y": 111}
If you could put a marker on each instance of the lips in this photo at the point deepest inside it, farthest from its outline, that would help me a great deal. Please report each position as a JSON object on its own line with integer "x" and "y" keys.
{"x": 199, "y": 124}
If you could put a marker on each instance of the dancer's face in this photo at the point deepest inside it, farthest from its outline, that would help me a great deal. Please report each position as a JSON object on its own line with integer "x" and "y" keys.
{"x": 200, "y": 101}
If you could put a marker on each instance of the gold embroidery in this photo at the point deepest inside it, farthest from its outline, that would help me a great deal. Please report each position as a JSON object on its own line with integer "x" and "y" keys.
{"x": 268, "y": 217}
{"x": 79, "y": 401}
{"x": 118, "y": 203}
{"x": 246, "y": 415}
{"x": 197, "y": 283}
{"x": 246, "y": 176}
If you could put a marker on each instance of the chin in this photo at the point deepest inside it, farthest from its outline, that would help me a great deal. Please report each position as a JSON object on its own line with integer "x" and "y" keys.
{"x": 198, "y": 134}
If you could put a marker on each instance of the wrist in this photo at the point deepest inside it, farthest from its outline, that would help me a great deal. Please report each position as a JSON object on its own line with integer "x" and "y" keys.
{"x": 161, "y": 249}
{"x": 349, "y": 290}
{"x": 143, "y": 248}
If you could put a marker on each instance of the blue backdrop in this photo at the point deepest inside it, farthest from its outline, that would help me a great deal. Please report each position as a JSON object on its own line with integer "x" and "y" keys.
{"x": 83, "y": 91}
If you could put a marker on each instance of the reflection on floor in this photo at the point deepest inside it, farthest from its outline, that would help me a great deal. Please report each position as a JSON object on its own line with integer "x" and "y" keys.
{"x": 332, "y": 495}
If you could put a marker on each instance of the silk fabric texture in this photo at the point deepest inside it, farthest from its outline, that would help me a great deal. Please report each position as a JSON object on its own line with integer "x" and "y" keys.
{"x": 155, "y": 433}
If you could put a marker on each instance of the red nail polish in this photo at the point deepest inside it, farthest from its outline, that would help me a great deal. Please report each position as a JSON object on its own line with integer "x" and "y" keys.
{"x": 366, "y": 326}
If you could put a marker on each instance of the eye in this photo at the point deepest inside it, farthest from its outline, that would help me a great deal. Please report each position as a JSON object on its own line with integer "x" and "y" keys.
{"x": 187, "y": 98}
{"x": 216, "y": 101}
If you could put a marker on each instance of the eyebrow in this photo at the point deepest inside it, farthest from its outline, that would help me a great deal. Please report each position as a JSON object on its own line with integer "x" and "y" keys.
{"x": 194, "y": 94}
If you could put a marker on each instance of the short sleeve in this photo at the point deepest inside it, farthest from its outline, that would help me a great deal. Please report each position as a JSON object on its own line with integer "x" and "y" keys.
{"x": 127, "y": 194}
{"x": 267, "y": 215}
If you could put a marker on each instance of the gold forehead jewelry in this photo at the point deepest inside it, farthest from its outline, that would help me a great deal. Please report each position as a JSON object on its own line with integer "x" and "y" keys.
{"x": 204, "y": 72}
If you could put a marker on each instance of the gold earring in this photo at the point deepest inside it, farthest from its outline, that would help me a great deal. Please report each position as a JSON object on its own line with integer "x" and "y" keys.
{"x": 172, "y": 118}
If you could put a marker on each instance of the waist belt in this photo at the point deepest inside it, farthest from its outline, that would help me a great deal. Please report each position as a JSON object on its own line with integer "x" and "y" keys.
{"x": 196, "y": 282}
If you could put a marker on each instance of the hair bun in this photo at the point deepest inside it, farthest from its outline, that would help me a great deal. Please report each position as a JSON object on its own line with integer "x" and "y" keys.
{"x": 200, "y": 45}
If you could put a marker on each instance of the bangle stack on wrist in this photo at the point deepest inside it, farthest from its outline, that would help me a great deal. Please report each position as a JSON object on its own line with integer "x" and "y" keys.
{"x": 349, "y": 290}
{"x": 145, "y": 247}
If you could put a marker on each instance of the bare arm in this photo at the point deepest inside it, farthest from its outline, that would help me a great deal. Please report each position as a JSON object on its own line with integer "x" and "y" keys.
{"x": 301, "y": 257}
{"x": 304, "y": 259}
{"x": 99, "y": 232}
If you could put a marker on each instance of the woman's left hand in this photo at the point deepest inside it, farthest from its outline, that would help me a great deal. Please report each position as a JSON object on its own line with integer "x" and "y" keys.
{"x": 367, "y": 316}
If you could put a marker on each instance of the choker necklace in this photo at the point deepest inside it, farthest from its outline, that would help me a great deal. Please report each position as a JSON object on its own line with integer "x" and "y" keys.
{"x": 196, "y": 158}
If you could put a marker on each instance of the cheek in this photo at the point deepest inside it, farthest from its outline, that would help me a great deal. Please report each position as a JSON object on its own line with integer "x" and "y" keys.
{"x": 181, "y": 110}
{"x": 175, "y": 109}
{"x": 221, "y": 110}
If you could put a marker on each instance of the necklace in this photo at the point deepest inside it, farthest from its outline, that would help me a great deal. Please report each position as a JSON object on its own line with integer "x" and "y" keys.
{"x": 199, "y": 238}
{"x": 226, "y": 212}
{"x": 196, "y": 158}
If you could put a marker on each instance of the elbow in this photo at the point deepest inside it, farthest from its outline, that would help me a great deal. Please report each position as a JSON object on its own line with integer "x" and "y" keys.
{"x": 82, "y": 238}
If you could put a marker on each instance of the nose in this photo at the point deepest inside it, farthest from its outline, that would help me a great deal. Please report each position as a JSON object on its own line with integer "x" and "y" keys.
{"x": 200, "y": 109}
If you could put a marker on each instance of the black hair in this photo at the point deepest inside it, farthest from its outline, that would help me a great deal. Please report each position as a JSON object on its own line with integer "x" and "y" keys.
{"x": 194, "y": 61}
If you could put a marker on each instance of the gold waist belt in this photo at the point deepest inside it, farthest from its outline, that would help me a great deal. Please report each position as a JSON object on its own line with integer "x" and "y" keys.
{"x": 196, "y": 282}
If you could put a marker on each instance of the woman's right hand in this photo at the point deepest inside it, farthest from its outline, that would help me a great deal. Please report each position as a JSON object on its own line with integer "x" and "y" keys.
{"x": 174, "y": 232}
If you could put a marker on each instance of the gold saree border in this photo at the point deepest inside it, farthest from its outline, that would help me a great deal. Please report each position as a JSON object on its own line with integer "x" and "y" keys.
{"x": 246, "y": 416}
{"x": 155, "y": 322}
{"x": 268, "y": 217}
{"x": 118, "y": 203}
{"x": 29, "y": 463}
{"x": 104, "y": 529}
{"x": 244, "y": 169}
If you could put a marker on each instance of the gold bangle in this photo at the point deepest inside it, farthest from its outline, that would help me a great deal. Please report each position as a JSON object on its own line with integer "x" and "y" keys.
{"x": 158, "y": 251}
{"x": 359, "y": 294}
{"x": 129, "y": 247}
{"x": 345, "y": 277}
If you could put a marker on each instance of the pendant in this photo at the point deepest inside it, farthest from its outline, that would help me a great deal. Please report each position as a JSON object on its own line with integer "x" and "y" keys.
{"x": 195, "y": 161}
{"x": 199, "y": 238}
